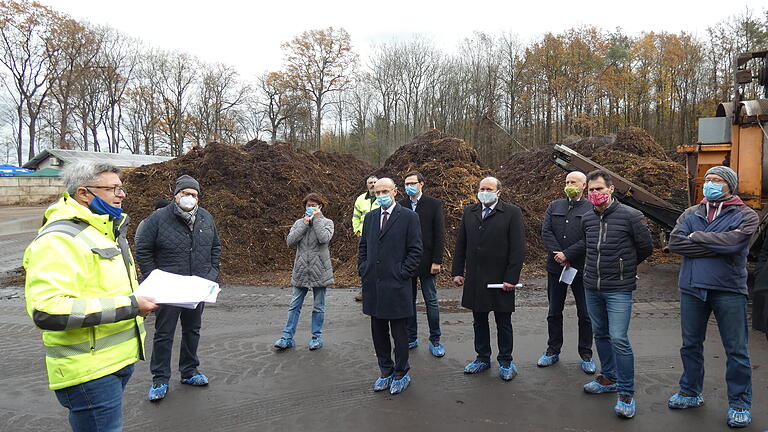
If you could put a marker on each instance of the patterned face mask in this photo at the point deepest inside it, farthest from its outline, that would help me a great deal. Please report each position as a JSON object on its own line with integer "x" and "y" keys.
{"x": 599, "y": 198}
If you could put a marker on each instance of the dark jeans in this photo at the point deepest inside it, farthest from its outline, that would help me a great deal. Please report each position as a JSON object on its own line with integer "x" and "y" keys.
{"x": 556, "y": 293}
{"x": 731, "y": 314}
{"x": 610, "y": 313}
{"x": 380, "y": 330}
{"x": 165, "y": 326}
{"x": 429, "y": 292}
{"x": 97, "y": 405}
{"x": 503, "y": 336}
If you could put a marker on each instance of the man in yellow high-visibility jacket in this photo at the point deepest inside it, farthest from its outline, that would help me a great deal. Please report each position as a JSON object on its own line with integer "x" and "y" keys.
{"x": 363, "y": 204}
{"x": 79, "y": 291}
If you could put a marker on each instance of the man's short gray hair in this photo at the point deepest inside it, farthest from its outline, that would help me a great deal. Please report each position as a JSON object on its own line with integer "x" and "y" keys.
{"x": 498, "y": 182}
{"x": 579, "y": 174}
{"x": 84, "y": 173}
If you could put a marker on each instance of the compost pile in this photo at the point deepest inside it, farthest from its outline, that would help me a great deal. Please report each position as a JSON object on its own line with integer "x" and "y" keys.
{"x": 451, "y": 170}
{"x": 254, "y": 193}
{"x": 534, "y": 180}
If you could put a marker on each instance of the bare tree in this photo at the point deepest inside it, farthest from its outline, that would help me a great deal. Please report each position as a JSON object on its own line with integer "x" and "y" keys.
{"x": 319, "y": 62}
{"x": 26, "y": 52}
{"x": 177, "y": 73}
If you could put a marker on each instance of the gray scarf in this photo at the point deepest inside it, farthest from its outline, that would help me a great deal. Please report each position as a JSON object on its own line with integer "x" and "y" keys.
{"x": 188, "y": 216}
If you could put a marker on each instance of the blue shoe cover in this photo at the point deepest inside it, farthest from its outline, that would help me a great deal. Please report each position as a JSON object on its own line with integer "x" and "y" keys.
{"x": 738, "y": 419}
{"x": 437, "y": 350}
{"x": 588, "y": 366}
{"x": 595, "y": 387}
{"x": 414, "y": 344}
{"x": 284, "y": 343}
{"x": 626, "y": 410}
{"x": 678, "y": 401}
{"x": 507, "y": 373}
{"x": 476, "y": 367}
{"x": 157, "y": 392}
{"x": 399, "y": 386}
{"x": 547, "y": 360}
{"x": 382, "y": 384}
{"x": 315, "y": 343}
{"x": 196, "y": 380}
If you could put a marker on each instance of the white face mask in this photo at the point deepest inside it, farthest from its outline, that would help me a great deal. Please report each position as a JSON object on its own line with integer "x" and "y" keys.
{"x": 187, "y": 202}
{"x": 486, "y": 197}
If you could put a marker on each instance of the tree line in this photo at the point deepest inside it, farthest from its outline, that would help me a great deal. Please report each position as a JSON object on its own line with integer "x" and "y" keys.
{"x": 74, "y": 85}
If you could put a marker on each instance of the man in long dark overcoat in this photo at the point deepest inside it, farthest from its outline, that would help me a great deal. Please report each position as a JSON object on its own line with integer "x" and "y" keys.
{"x": 388, "y": 257}
{"x": 490, "y": 249}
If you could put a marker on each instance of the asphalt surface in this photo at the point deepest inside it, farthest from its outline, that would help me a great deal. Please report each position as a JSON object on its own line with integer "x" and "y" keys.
{"x": 254, "y": 388}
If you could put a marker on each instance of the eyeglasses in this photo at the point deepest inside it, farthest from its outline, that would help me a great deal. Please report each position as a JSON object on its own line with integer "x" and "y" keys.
{"x": 114, "y": 189}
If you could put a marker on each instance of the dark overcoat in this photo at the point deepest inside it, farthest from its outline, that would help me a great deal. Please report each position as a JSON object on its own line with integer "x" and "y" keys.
{"x": 432, "y": 221}
{"x": 489, "y": 251}
{"x": 387, "y": 260}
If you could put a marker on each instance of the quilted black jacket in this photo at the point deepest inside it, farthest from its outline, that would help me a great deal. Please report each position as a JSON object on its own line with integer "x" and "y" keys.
{"x": 614, "y": 243}
{"x": 165, "y": 242}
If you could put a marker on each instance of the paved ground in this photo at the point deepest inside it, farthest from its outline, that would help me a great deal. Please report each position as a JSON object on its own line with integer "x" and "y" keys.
{"x": 255, "y": 388}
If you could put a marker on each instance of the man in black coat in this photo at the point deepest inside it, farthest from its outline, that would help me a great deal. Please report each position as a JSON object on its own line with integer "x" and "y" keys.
{"x": 388, "y": 257}
{"x": 179, "y": 238}
{"x": 615, "y": 240}
{"x": 561, "y": 229}
{"x": 490, "y": 249}
{"x": 432, "y": 220}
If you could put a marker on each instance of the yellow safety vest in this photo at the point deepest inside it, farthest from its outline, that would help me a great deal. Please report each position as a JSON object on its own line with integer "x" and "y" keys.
{"x": 79, "y": 290}
{"x": 363, "y": 204}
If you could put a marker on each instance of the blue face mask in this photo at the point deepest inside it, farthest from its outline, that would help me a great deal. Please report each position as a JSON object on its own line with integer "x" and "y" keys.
{"x": 713, "y": 191}
{"x": 411, "y": 190}
{"x": 99, "y": 206}
{"x": 310, "y": 210}
{"x": 384, "y": 200}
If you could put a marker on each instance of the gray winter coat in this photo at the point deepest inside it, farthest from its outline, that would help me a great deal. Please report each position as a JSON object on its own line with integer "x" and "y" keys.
{"x": 312, "y": 266}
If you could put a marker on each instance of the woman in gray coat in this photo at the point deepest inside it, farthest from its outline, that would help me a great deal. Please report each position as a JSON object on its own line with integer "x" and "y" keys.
{"x": 311, "y": 269}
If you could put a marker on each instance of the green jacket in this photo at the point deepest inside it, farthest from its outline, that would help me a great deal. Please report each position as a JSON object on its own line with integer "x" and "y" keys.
{"x": 363, "y": 204}
{"x": 79, "y": 291}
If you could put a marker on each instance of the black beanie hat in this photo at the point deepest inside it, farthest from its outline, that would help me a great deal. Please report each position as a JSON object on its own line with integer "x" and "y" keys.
{"x": 186, "y": 182}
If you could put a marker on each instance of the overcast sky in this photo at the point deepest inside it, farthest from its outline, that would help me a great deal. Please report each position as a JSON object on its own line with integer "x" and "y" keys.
{"x": 247, "y": 35}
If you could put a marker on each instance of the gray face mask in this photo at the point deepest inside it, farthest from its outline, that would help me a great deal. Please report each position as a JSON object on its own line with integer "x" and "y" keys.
{"x": 187, "y": 202}
{"x": 487, "y": 198}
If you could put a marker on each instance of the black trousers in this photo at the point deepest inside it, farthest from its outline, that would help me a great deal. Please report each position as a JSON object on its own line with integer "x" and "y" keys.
{"x": 556, "y": 292}
{"x": 165, "y": 326}
{"x": 503, "y": 337}
{"x": 380, "y": 330}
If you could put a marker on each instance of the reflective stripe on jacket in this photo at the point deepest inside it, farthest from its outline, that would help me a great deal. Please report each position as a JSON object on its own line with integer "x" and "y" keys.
{"x": 79, "y": 291}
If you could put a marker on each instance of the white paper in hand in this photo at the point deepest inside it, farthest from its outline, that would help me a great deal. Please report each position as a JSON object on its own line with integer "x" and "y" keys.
{"x": 176, "y": 290}
{"x": 567, "y": 275}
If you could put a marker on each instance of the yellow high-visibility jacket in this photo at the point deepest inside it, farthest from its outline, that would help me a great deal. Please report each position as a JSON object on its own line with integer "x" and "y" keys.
{"x": 363, "y": 204}
{"x": 79, "y": 291}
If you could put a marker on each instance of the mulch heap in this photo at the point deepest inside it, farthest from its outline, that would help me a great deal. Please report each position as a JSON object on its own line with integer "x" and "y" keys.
{"x": 534, "y": 180}
{"x": 451, "y": 171}
{"x": 254, "y": 193}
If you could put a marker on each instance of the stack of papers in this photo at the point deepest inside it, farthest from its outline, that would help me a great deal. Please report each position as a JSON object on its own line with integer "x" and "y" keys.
{"x": 568, "y": 275}
{"x": 176, "y": 290}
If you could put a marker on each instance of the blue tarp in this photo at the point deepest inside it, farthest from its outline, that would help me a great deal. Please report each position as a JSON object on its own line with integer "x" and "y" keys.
{"x": 11, "y": 170}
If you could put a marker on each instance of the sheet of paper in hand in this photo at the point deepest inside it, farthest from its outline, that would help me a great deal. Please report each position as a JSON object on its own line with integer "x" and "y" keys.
{"x": 177, "y": 290}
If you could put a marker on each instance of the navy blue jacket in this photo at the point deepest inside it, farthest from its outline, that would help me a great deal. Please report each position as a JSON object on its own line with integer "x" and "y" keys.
{"x": 387, "y": 260}
{"x": 615, "y": 242}
{"x": 562, "y": 228}
{"x": 714, "y": 254}
{"x": 165, "y": 242}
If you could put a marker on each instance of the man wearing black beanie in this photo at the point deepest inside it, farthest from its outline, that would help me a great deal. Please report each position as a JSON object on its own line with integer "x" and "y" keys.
{"x": 179, "y": 238}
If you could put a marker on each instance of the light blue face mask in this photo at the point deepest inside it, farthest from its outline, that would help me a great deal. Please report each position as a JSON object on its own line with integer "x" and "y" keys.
{"x": 713, "y": 191}
{"x": 487, "y": 197}
{"x": 411, "y": 190}
{"x": 384, "y": 200}
{"x": 310, "y": 210}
